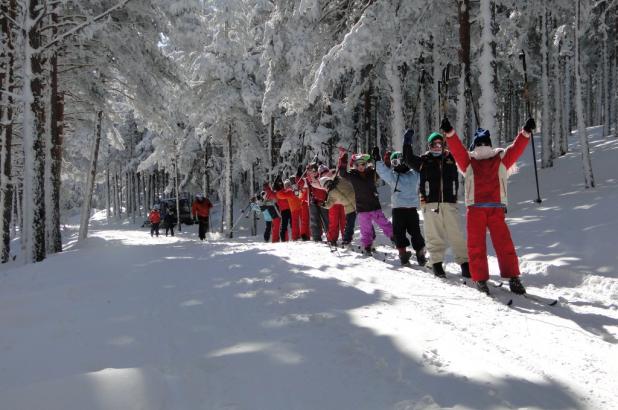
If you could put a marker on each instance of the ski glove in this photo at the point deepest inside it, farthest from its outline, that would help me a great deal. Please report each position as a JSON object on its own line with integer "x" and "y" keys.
{"x": 530, "y": 125}
{"x": 407, "y": 137}
{"x": 446, "y": 126}
{"x": 375, "y": 154}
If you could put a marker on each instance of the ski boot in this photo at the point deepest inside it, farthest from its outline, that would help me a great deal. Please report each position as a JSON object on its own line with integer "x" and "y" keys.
{"x": 404, "y": 257}
{"x": 333, "y": 243}
{"x": 438, "y": 270}
{"x": 368, "y": 251}
{"x": 420, "y": 257}
{"x": 516, "y": 286}
{"x": 465, "y": 270}
{"x": 481, "y": 285}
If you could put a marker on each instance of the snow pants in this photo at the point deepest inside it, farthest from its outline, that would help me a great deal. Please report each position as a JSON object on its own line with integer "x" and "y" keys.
{"x": 479, "y": 220}
{"x": 442, "y": 229}
{"x": 350, "y": 221}
{"x": 169, "y": 228}
{"x": 405, "y": 220}
{"x": 267, "y": 230}
{"x": 305, "y": 233}
{"x": 318, "y": 217}
{"x": 366, "y": 220}
{"x": 295, "y": 222}
{"x": 154, "y": 229}
{"x": 203, "y": 226}
{"x": 276, "y": 228}
{"x": 286, "y": 219}
{"x": 336, "y": 222}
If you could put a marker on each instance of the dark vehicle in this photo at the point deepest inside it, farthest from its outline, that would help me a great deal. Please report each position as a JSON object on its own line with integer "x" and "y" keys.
{"x": 170, "y": 203}
{"x": 185, "y": 207}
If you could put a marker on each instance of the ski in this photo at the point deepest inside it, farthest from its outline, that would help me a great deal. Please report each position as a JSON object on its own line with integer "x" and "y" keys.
{"x": 527, "y": 295}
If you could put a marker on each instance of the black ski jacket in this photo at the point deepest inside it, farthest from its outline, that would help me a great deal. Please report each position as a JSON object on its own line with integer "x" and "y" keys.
{"x": 439, "y": 178}
{"x": 365, "y": 191}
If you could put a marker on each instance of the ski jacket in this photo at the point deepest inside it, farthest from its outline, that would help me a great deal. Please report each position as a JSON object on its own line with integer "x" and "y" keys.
{"x": 439, "y": 178}
{"x": 316, "y": 193}
{"x": 201, "y": 209}
{"x": 289, "y": 195}
{"x": 486, "y": 178}
{"x": 364, "y": 184}
{"x": 404, "y": 193}
{"x": 169, "y": 218}
{"x": 154, "y": 217}
{"x": 342, "y": 192}
{"x": 282, "y": 203}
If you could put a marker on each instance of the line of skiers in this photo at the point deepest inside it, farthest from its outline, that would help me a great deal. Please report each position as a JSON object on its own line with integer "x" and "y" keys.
{"x": 319, "y": 200}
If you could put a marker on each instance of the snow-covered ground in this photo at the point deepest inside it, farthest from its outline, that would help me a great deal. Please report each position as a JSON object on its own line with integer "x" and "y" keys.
{"x": 126, "y": 321}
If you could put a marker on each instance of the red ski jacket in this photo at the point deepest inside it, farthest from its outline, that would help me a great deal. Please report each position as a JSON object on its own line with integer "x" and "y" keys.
{"x": 485, "y": 177}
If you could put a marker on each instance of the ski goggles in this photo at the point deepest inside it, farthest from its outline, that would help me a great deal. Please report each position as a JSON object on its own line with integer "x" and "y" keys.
{"x": 396, "y": 161}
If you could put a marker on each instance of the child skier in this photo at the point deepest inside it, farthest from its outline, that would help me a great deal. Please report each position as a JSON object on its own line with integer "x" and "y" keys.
{"x": 294, "y": 204}
{"x": 368, "y": 208}
{"x": 155, "y": 219}
{"x": 439, "y": 185}
{"x": 486, "y": 172}
{"x": 280, "y": 225}
{"x": 404, "y": 201}
{"x": 268, "y": 211}
{"x": 341, "y": 203}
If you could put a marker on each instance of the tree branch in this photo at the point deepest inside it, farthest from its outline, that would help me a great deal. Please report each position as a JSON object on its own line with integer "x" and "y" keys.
{"x": 82, "y": 26}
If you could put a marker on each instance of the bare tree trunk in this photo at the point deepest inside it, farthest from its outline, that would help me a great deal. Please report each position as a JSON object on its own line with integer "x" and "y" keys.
{"x": 564, "y": 143}
{"x": 463, "y": 109}
{"x": 57, "y": 135}
{"x": 581, "y": 125}
{"x": 487, "y": 79}
{"x": 33, "y": 134}
{"x": 607, "y": 88}
{"x": 7, "y": 59}
{"x": 107, "y": 192}
{"x": 546, "y": 124}
{"x": 229, "y": 200}
{"x": 85, "y": 215}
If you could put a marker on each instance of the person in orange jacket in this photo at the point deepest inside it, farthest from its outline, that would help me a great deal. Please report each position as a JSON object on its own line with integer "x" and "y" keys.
{"x": 200, "y": 211}
{"x": 155, "y": 219}
{"x": 295, "y": 205}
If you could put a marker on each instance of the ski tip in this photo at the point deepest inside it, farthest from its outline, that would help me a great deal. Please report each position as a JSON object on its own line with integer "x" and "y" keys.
{"x": 510, "y": 302}
{"x": 553, "y": 303}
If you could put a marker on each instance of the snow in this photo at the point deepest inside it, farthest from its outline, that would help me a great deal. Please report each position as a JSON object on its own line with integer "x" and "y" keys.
{"x": 125, "y": 321}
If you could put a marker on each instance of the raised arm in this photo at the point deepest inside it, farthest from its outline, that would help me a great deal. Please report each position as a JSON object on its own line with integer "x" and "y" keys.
{"x": 460, "y": 153}
{"x": 517, "y": 148}
{"x": 411, "y": 160}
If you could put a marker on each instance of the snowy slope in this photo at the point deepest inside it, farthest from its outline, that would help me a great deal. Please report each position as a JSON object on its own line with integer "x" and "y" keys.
{"x": 131, "y": 322}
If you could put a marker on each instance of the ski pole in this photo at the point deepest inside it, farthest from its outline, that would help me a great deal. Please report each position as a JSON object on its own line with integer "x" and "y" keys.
{"x": 242, "y": 213}
{"x": 522, "y": 56}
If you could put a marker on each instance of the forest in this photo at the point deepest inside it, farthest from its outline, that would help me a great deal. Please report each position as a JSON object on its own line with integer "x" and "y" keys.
{"x": 110, "y": 104}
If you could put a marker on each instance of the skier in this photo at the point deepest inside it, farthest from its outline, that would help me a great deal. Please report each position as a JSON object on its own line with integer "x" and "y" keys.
{"x": 268, "y": 211}
{"x": 155, "y": 219}
{"x": 318, "y": 215}
{"x": 341, "y": 204}
{"x": 486, "y": 171}
{"x": 170, "y": 221}
{"x": 284, "y": 210}
{"x": 404, "y": 201}
{"x": 439, "y": 185}
{"x": 200, "y": 211}
{"x": 295, "y": 204}
{"x": 270, "y": 198}
{"x": 368, "y": 208}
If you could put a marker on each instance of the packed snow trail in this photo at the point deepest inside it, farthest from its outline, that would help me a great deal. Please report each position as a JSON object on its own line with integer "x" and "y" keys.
{"x": 133, "y": 322}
